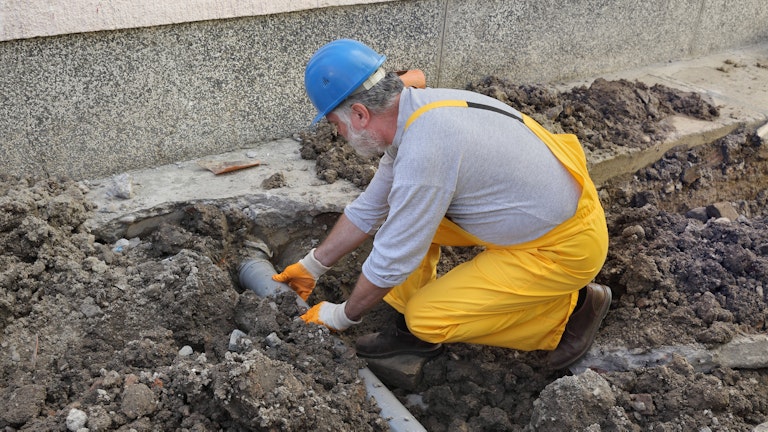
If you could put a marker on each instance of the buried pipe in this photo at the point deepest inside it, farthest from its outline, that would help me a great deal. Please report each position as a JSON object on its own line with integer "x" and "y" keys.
{"x": 256, "y": 274}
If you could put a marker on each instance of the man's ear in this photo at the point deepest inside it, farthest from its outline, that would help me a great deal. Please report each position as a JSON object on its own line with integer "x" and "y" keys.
{"x": 360, "y": 116}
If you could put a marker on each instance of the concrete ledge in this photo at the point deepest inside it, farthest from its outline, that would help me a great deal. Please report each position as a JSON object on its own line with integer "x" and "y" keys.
{"x": 159, "y": 194}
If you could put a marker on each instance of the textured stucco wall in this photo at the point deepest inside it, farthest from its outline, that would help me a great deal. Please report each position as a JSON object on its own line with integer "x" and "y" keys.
{"x": 93, "y": 104}
{"x": 550, "y": 40}
{"x": 20, "y": 19}
{"x": 103, "y": 102}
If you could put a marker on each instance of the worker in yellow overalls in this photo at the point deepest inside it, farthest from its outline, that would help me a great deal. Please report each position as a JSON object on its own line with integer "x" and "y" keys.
{"x": 457, "y": 169}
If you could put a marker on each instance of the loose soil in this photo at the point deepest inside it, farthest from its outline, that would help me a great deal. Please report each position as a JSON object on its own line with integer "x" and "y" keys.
{"x": 136, "y": 335}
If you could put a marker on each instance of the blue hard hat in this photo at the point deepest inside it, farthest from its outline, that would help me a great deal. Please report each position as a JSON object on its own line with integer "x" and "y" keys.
{"x": 336, "y": 70}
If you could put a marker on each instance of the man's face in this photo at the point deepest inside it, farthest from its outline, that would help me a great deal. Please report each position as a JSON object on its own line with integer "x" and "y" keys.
{"x": 365, "y": 142}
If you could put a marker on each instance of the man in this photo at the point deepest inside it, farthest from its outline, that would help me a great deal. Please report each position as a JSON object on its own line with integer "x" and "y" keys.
{"x": 458, "y": 169}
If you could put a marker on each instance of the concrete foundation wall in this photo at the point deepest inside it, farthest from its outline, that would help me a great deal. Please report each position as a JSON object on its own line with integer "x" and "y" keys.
{"x": 21, "y": 19}
{"x": 93, "y": 104}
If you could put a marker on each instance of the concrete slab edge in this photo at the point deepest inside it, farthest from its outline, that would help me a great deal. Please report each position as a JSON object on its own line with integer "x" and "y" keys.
{"x": 743, "y": 352}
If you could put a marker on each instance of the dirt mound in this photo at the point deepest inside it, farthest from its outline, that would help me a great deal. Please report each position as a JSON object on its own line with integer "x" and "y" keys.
{"x": 135, "y": 335}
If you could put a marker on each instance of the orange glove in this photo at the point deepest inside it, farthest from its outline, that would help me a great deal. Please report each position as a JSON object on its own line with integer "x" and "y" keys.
{"x": 331, "y": 315}
{"x": 302, "y": 276}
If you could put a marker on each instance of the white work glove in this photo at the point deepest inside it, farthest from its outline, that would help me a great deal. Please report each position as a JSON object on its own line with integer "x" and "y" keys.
{"x": 331, "y": 315}
{"x": 302, "y": 276}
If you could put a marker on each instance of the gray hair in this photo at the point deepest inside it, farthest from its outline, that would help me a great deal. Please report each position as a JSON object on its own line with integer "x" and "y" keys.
{"x": 377, "y": 99}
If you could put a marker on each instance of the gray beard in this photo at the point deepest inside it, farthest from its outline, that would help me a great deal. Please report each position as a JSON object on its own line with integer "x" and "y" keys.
{"x": 365, "y": 143}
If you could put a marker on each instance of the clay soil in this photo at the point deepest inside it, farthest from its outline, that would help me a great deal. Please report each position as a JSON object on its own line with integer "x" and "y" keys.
{"x": 136, "y": 335}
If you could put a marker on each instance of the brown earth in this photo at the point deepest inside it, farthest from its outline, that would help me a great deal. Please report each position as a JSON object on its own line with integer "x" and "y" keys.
{"x": 135, "y": 335}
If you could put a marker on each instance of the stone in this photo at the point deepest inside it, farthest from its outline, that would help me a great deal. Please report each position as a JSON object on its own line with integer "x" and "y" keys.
{"x": 403, "y": 371}
{"x": 138, "y": 401}
{"x": 698, "y": 213}
{"x": 722, "y": 210}
{"x": 21, "y": 404}
{"x": 76, "y": 419}
{"x": 572, "y": 401}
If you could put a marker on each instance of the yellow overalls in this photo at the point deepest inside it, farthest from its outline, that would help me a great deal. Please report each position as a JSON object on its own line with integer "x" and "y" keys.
{"x": 516, "y": 296}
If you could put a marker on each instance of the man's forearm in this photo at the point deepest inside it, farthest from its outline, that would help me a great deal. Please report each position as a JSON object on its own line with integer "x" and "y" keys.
{"x": 343, "y": 238}
{"x": 364, "y": 296}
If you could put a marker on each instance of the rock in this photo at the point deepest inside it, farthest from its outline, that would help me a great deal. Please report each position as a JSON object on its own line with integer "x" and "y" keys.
{"x": 99, "y": 419}
{"x": 572, "y": 403}
{"x": 722, "y": 210}
{"x": 635, "y": 232}
{"x": 690, "y": 175}
{"x": 742, "y": 352}
{"x": 275, "y": 181}
{"x": 762, "y": 132}
{"x": 273, "y": 340}
{"x": 722, "y": 221}
{"x": 138, "y": 401}
{"x": 403, "y": 371}
{"x": 238, "y": 341}
{"x": 110, "y": 378}
{"x": 120, "y": 245}
{"x": 89, "y": 308}
{"x": 642, "y": 403}
{"x": 698, "y": 213}
{"x": 185, "y": 351}
{"x": 122, "y": 187}
{"x": 76, "y": 419}
{"x": 21, "y": 404}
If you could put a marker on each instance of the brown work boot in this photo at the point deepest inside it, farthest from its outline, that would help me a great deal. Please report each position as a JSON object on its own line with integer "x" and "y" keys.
{"x": 393, "y": 341}
{"x": 582, "y": 327}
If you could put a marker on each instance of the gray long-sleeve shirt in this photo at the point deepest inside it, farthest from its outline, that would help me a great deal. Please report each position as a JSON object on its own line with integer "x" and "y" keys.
{"x": 485, "y": 171}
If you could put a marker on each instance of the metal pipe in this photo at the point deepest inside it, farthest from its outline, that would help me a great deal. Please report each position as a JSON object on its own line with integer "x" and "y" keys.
{"x": 256, "y": 274}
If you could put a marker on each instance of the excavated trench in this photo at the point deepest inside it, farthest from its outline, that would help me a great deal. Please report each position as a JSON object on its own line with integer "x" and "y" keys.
{"x": 130, "y": 325}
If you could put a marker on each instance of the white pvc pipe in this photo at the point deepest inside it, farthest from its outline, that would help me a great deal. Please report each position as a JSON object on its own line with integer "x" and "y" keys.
{"x": 398, "y": 416}
{"x": 256, "y": 274}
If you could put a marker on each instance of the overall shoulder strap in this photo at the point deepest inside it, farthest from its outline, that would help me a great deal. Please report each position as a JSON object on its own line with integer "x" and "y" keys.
{"x": 456, "y": 104}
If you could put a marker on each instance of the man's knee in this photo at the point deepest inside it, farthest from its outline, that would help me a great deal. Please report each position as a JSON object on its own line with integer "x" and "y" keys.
{"x": 425, "y": 326}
